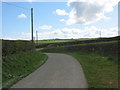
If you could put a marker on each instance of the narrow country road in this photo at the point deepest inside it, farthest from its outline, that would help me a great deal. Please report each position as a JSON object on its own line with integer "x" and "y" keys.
{"x": 59, "y": 71}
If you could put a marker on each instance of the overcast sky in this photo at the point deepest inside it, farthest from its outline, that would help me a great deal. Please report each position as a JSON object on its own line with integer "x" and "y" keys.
{"x": 71, "y": 19}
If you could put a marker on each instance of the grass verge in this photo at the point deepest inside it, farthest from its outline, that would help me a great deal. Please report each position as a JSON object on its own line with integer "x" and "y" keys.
{"x": 16, "y": 67}
{"x": 100, "y": 71}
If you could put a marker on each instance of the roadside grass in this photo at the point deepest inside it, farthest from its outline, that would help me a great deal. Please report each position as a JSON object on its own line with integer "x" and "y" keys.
{"x": 100, "y": 71}
{"x": 16, "y": 67}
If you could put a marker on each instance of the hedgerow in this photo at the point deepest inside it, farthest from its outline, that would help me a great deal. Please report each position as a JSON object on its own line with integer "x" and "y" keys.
{"x": 75, "y": 42}
{"x": 14, "y": 46}
{"x": 110, "y": 49}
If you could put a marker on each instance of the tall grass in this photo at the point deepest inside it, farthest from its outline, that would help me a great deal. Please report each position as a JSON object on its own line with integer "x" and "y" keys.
{"x": 20, "y": 65}
{"x": 100, "y": 71}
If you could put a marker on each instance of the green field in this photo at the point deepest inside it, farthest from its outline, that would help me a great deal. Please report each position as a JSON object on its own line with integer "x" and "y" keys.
{"x": 17, "y": 66}
{"x": 62, "y": 40}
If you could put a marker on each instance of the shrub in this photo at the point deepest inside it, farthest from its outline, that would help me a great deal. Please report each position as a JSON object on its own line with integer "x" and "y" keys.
{"x": 15, "y": 46}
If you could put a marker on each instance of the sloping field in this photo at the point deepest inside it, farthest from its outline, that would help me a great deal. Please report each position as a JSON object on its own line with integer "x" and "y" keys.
{"x": 75, "y": 42}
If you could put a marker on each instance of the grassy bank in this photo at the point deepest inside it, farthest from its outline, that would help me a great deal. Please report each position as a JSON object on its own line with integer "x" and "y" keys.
{"x": 100, "y": 71}
{"x": 17, "y": 66}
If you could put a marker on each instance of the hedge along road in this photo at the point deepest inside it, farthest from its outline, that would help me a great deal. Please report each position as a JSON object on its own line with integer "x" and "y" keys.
{"x": 59, "y": 71}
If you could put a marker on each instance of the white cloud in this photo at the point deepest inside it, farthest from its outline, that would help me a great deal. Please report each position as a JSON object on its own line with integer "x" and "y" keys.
{"x": 30, "y": 0}
{"x": 67, "y": 33}
{"x": 22, "y": 16}
{"x": 89, "y": 11}
{"x": 61, "y": 12}
{"x": 62, "y": 20}
{"x": 45, "y": 27}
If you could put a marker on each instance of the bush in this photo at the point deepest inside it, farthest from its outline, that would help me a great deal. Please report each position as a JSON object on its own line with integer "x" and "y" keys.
{"x": 14, "y": 46}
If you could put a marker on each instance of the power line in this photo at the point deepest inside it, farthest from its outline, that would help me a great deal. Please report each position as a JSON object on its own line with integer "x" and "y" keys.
{"x": 17, "y": 6}
{"x": 31, "y": 16}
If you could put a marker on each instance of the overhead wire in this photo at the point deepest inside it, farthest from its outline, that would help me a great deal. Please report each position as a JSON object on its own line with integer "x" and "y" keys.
{"x": 17, "y": 6}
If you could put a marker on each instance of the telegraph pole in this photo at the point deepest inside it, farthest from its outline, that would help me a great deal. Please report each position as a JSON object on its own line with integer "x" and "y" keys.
{"x": 100, "y": 34}
{"x": 36, "y": 37}
{"x": 32, "y": 24}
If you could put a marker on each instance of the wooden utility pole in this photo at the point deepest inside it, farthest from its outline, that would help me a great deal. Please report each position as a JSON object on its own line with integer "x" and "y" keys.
{"x": 36, "y": 37}
{"x": 32, "y": 24}
{"x": 100, "y": 34}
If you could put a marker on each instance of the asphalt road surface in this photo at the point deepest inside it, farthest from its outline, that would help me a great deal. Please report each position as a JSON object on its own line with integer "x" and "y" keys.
{"x": 59, "y": 71}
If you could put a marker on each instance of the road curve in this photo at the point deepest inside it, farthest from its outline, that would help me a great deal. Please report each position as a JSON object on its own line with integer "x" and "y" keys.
{"x": 59, "y": 71}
